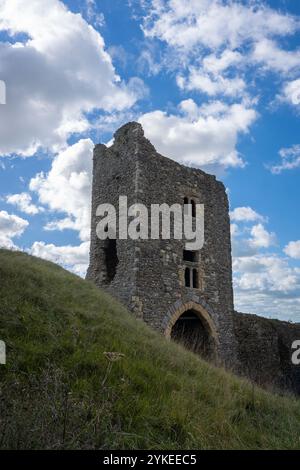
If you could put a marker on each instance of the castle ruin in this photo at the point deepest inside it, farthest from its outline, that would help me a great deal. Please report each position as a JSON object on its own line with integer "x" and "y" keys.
{"x": 184, "y": 294}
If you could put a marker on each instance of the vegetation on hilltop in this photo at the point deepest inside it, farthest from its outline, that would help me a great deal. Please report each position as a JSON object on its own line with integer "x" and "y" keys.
{"x": 61, "y": 389}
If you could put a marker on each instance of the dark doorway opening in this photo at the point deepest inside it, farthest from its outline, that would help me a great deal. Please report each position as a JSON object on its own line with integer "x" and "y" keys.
{"x": 194, "y": 334}
{"x": 111, "y": 259}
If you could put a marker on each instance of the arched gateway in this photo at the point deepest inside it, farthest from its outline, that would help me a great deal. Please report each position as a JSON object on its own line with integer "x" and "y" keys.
{"x": 191, "y": 325}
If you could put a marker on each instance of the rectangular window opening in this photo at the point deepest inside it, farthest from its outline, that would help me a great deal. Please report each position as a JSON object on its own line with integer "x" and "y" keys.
{"x": 191, "y": 256}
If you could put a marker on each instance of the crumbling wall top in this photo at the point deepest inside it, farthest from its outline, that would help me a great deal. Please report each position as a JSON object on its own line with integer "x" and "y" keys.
{"x": 131, "y": 130}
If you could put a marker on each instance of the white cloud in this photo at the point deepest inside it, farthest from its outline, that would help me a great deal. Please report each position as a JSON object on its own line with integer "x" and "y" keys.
{"x": 273, "y": 57}
{"x": 62, "y": 224}
{"x": 214, "y": 63}
{"x": 11, "y": 226}
{"x": 245, "y": 214}
{"x": 215, "y": 23}
{"x": 290, "y": 159}
{"x": 245, "y": 246}
{"x": 264, "y": 282}
{"x": 261, "y": 238}
{"x": 209, "y": 77}
{"x": 220, "y": 39}
{"x": 58, "y": 73}
{"x": 292, "y": 249}
{"x": 291, "y": 91}
{"x": 92, "y": 14}
{"x": 23, "y": 202}
{"x": 267, "y": 273}
{"x": 74, "y": 258}
{"x": 195, "y": 138}
{"x": 67, "y": 188}
{"x": 211, "y": 85}
{"x": 242, "y": 247}
{"x": 267, "y": 285}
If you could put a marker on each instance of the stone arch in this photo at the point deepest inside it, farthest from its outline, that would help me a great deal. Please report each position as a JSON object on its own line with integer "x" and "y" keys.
{"x": 202, "y": 311}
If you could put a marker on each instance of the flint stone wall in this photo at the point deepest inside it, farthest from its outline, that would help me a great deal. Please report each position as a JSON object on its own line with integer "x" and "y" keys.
{"x": 150, "y": 273}
{"x": 265, "y": 351}
{"x": 149, "y": 277}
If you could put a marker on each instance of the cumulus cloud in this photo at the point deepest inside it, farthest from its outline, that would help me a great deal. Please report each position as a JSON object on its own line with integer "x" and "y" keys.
{"x": 266, "y": 273}
{"x": 67, "y": 188}
{"x": 213, "y": 23}
{"x": 272, "y": 57}
{"x": 245, "y": 214}
{"x": 220, "y": 39}
{"x": 211, "y": 85}
{"x": 23, "y": 202}
{"x": 11, "y": 226}
{"x": 245, "y": 246}
{"x": 267, "y": 285}
{"x": 74, "y": 258}
{"x": 292, "y": 249}
{"x": 261, "y": 238}
{"x": 291, "y": 91}
{"x": 57, "y": 73}
{"x": 198, "y": 137}
{"x": 290, "y": 159}
{"x": 214, "y": 63}
{"x": 211, "y": 77}
{"x": 264, "y": 282}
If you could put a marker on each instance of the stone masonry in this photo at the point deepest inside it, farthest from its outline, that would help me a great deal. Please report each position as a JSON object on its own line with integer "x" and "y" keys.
{"x": 151, "y": 277}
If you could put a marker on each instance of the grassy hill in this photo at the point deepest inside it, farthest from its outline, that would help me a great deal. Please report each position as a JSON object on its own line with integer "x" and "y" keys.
{"x": 60, "y": 390}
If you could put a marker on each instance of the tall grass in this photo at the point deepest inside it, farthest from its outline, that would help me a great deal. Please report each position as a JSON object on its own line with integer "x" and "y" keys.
{"x": 61, "y": 389}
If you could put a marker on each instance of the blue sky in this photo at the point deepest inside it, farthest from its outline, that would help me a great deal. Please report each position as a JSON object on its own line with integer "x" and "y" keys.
{"x": 215, "y": 84}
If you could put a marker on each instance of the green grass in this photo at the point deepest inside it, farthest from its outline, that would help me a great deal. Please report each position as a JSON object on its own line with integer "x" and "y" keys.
{"x": 58, "y": 389}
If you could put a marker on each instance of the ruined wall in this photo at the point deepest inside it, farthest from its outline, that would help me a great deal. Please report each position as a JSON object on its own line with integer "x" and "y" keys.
{"x": 150, "y": 273}
{"x": 264, "y": 351}
{"x": 160, "y": 284}
{"x": 149, "y": 277}
{"x": 114, "y": 172}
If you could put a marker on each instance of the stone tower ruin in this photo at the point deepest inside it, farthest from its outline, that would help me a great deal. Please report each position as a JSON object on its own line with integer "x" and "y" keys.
{"x": 186, "y": 295}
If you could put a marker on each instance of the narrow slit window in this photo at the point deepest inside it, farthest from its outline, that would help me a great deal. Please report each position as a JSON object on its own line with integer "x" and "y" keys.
{"x": 186, "y": 201}
{"x": 111, "y": 259}
{"x": 193, "y": 208}
{"x": 187, "y": 280}
{"x": 195, "y": 279}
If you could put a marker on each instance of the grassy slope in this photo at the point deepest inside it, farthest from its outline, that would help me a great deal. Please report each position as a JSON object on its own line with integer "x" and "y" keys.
{"x": 54, "y": 393}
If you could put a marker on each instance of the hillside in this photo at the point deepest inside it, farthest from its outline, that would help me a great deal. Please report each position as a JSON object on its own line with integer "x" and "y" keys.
{"x": 60, "y": 390}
